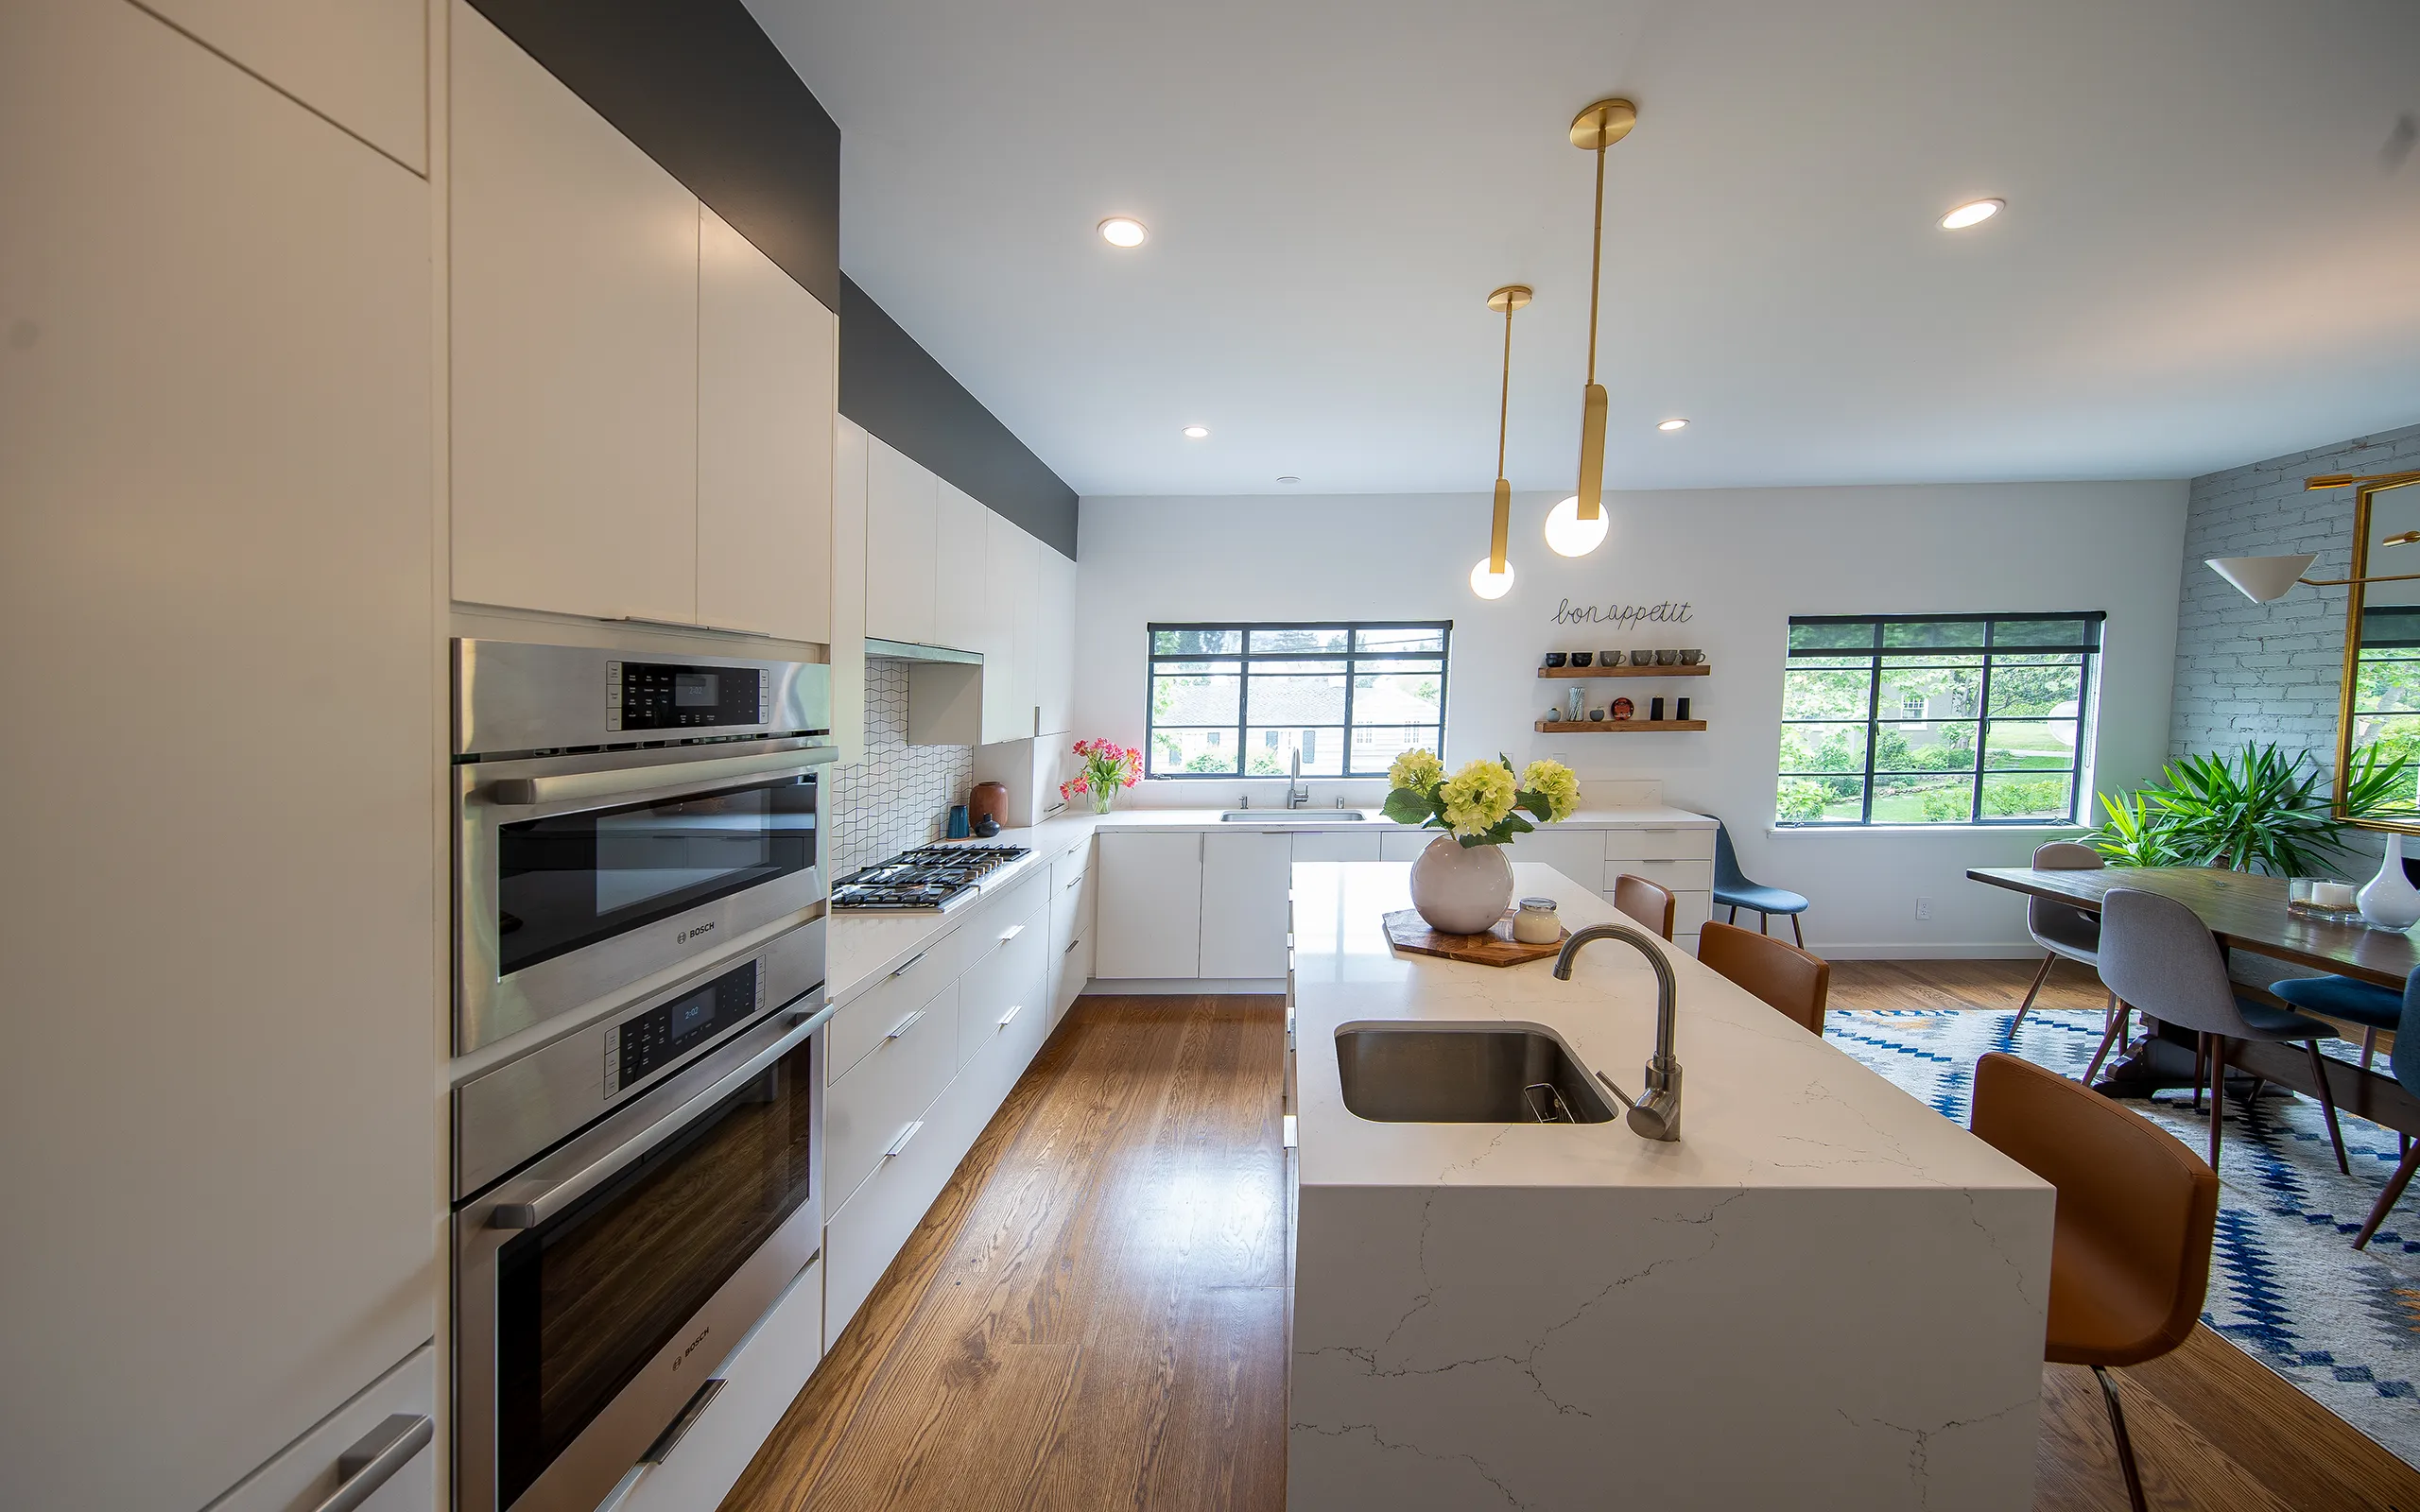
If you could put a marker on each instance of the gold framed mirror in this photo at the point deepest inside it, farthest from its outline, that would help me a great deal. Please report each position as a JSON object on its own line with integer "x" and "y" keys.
{"x": 2379, "y": 704}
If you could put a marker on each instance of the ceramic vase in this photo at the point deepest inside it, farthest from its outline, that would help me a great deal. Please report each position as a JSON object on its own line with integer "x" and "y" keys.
{"x": 2388, "y": 900}
{"x": 1462, "y": 890}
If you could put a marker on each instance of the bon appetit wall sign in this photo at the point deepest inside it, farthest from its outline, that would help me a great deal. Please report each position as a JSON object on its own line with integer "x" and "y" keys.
{"x": 1671, "y": 612}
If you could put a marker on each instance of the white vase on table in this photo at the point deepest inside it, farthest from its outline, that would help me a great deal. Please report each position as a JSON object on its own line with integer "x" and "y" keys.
{"x": 1462, "y": 890}
{"x": 2388, "y": 900}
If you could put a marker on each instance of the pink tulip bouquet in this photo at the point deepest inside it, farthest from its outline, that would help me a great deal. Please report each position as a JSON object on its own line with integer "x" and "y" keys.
{"x": 1108, "y": 766}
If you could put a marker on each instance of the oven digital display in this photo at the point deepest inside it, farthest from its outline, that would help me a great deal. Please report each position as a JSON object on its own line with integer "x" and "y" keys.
{"x": 665, "y": 695}
{"x": 669, "y": 1031}
{"x": 697, "y": 690}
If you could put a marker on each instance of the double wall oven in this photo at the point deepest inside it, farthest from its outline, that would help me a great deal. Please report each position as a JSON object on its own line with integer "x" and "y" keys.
{"x": 639, "y": 997}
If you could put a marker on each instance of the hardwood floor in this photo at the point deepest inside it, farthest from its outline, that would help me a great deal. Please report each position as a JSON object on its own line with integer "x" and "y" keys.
{"x": 1092, "y": 1314}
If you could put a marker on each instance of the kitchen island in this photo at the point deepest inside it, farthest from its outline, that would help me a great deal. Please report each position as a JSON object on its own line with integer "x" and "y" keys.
{"x": 1824, "y": 1294}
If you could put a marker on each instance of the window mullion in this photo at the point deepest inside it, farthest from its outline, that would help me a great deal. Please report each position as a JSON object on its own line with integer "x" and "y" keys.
{"x": 1983, "y": 726}
{"x": 1872, "y": 722}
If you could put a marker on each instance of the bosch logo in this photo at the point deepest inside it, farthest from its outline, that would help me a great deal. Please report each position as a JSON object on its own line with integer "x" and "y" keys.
{"x": 691, "y": 934}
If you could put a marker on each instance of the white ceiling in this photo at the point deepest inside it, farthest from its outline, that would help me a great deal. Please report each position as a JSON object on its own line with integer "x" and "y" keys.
{"x": 2209, "y": 254}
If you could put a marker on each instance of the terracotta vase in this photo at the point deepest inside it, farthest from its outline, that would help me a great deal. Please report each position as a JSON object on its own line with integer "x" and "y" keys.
{"x": 2388, "y": 900}
{"x": 1462, "y": 890}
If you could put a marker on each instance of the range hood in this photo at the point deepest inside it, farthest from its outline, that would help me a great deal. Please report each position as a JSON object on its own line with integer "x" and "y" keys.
{"x": 911, "y": 651}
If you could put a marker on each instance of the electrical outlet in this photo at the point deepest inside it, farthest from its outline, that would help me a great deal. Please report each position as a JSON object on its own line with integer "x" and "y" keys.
{"x": 1923, "y": 908}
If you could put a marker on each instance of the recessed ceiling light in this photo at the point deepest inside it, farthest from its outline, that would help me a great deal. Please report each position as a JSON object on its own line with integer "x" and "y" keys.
{"x": 1290, "y": 479}
{"x": 1972, "y": 213}
{"x": 1675, "y": 424}
{"x": 1196, "y": 432}
{"x": 1123, "y": 231}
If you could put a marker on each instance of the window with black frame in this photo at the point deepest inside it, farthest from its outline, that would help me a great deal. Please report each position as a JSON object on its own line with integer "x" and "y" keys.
{"x": 1936, "y": 718}
{"x": 1243, "y": 701}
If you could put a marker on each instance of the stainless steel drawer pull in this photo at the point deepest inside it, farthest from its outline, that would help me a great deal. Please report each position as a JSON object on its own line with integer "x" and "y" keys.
{"x": 1006, "y": 1019}
{"x": 905, "y": 1135}
{"x": 910, "y": 964}
{"x": 1011, "y": 933}
{"x": 373, "y": 1460}
{"x": 905, "y": 1024}
{"x": 668, "y": 1440}
{"x": 1071, "y": 947}
{"x": 1079, "y": 879}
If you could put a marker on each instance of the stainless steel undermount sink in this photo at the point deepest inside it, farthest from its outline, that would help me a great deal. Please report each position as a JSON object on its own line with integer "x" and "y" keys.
{"x": 1292, "y": 816}
{"x": 1465, "y": 1074}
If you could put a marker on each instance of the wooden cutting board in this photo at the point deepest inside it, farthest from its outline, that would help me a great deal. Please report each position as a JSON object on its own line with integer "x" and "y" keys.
{"x": 1407, "y": 931}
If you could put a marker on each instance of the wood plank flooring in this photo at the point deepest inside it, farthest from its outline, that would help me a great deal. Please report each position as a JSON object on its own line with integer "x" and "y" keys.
{"x": 1092, "y": 1314}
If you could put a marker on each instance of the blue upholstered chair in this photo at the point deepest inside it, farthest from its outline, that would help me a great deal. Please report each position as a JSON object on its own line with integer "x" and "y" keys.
{"x": 2348, "y": 1000}
{"x": 1735, "y": 892}
{"x": 2406, "y": 1063}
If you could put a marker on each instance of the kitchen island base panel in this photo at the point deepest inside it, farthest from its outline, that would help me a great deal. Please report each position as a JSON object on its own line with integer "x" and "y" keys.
{"x": 1868, "y": 1349}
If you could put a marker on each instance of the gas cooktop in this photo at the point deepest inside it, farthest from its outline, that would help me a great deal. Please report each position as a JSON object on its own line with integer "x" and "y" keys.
{"x": 931, "y": 879}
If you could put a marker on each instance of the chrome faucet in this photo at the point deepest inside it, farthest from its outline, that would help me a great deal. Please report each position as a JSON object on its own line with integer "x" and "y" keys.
{"x": 1298, "y": 793}
{"x": 1657, "y": 1114}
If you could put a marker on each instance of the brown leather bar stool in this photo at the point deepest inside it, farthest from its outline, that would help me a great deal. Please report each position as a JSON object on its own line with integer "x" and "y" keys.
{"x": 1782, "y": 975}
{"x": 2130, "y": 1247}
{"x": 1651, "y": 903}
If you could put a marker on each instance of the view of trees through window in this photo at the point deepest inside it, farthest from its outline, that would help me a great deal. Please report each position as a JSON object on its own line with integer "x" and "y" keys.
{"x": 2386, "y": 691}
{"x": 1954, "y": 719}
{"x": 1231, "y": 700}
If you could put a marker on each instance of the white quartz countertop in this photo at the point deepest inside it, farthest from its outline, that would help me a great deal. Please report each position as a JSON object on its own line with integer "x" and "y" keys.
{"x": 863, "y": 947}
{"x": 1658, "y": 817}
{"x": 1764, "y": 1102}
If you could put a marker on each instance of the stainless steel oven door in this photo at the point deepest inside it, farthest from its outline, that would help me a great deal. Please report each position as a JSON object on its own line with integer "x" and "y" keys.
{"x": 583, "y": 881}
{"x": 598, "y": 1289}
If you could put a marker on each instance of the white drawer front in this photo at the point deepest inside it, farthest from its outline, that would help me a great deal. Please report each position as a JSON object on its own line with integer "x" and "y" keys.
{"x": 1690, "y": 910}
{"x": 1336, "y": 845}
{"x": 1679, "y": 876}
{"x": 305, "y": 1472}
{"x": 888, "y": 1090}
{"x": 1659, "y": 845}
{"x": 1070, "y": 867}
{"x": 866, "y": 1020}
{"x": 996, "y": 913}
{"x": 1403, "y": 845}
{"x": 759, "y": 1381}
{"x": 1010, "y": 981}
{"x": 1075, "y": 969}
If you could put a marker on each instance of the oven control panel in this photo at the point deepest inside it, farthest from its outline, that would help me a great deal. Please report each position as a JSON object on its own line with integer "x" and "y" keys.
{"x": 638, "y": 1045}
{"x": 671, "y": 696}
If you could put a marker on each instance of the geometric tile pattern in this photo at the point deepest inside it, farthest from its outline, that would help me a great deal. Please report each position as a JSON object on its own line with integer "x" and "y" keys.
{"x": 900, "y": 795}
{"x": 2286, "y": 1285}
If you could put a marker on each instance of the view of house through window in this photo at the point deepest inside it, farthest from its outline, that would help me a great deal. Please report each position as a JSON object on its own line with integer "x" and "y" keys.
{"x": 1230, "y": 701}
{"x": 1938, "y": 719}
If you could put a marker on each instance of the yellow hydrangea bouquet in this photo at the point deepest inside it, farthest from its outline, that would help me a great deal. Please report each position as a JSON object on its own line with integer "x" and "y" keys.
{"x": 1483, "y": 803}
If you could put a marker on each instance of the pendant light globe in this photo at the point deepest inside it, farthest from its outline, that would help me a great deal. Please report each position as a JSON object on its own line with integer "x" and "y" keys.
{"x": 1491, "y": 585}
{"x": 1571, "y": 536}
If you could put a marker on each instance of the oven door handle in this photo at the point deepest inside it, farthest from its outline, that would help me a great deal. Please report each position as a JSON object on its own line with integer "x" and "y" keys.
{"x": 604, "y": 1168}
{"x": 643, "y": 781}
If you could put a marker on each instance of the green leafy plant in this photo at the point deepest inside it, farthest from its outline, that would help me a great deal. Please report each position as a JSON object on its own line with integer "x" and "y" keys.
{"x": 2258, "y": 810}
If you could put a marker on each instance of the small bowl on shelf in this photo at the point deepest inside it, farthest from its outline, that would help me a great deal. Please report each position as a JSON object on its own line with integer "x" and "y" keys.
{"x": 1579, "y": 659}
{"x": 1556, "y": 658}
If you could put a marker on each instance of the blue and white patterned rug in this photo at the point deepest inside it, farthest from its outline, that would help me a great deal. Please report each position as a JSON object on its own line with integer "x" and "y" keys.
{"x": 2286, "y": 1283}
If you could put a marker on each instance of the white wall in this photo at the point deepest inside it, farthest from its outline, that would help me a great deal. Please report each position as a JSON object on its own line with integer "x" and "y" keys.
{"x": 1745, "y": 560}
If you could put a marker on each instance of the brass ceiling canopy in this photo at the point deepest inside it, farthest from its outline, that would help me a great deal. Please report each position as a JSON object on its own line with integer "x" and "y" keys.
{"x": 1602, "y": 123}
{"x": 1594, "y": 130}
{"x": 1504, "y": 301}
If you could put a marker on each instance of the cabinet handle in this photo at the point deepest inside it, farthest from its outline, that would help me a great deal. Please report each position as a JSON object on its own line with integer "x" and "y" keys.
{"x": 1006, "y": 1017}
{"x": 1011, "y": 933}
{"x": 1071, "y": 947}
{"x": 373, "y": 1460}
{"x": 1080, "y": 877}
{"x": 905, "y": 1135}
{"x": 910, "y": 964}
{"x": 668, "y": 1440}
{"x": 905, "y": 1024}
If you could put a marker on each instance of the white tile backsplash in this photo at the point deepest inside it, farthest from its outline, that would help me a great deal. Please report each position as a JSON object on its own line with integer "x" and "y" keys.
{"x": 900, "y": 795}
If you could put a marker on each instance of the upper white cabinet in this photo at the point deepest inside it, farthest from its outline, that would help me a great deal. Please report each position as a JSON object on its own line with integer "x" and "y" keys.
{"x": 575, "y": 350}
{"x": 960, "y": 552}
{"x": 1009, "y": 640}
{"x": 1054, "y": 659}
{"x": 767, "y": 380}
{"x": 363, "y": 64}
{"x": 903, "y": 506}
{"x": 221, "y": 980}
{"x": 849, "y": 455}
{"x": 1149, "y": 905}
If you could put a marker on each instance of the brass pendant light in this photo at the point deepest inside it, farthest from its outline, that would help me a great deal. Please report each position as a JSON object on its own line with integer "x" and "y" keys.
{"x": 1578, "y": 524}
{"x": 1492, "y": 576}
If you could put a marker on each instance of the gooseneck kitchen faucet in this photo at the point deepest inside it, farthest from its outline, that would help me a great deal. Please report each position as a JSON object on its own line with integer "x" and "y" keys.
{"x": 1657, "y": 1114}
{"x": 1298, "y": 793}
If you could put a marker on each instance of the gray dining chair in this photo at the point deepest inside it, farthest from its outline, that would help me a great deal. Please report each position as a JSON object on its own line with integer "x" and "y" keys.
{"x": 2157, "y": 956}
{"x": 2063, "y": 930}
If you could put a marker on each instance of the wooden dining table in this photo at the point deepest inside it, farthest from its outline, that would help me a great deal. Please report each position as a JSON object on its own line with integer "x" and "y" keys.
{"x": 2245, "y": 913}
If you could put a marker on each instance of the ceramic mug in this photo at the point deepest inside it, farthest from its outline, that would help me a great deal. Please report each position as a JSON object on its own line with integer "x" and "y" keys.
{"x": 1666, "y": 658}
{"x": 1609, "y": 659}
{"x": 1690, "y": 658}
{"x": 1556, "y": 658}
{"x": 1579, "y": 659}
{"x": 1642, "y": 658}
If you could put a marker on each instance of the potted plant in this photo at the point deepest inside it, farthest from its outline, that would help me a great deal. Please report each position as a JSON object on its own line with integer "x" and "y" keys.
{"x": 1108, "y": 768}
{"x": 1461, "y": 883}
{"x": 2259, "y": 811}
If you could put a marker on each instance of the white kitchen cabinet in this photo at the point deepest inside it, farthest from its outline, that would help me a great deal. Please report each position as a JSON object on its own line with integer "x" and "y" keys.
{"x": 1403, "y": 845}
{"x": 1010, "y": 980}
{"x": 874, "y": 1101}
{"x": 1011, "y": 637}
{"x": 848, "y": 559}
{"x": 1578, "y": 854}
{"x": 221, "y": 962}
{"x": 961, "y": 550}
{"x": 1338, "y": 845}
{"x": 903, "y": 512}
{"x": 1149, "y": 908}
{"x": 1054, "y": 656}
{"x": 574, "y": 333}
{"x": 760, "y": 1380}
{"x": 363, "y": 65}
{"x": 767, "y": 380}
{"x": 1243, "y": 902}
{"x": 306, "y": 1472}
{"x": 1071, "y": 919}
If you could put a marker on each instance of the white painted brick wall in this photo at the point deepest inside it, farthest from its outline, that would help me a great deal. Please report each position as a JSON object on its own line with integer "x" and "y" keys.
{"x": 900, "y": 795}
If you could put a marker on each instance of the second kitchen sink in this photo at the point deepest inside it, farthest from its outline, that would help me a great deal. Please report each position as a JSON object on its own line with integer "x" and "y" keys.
{"x": 1465, "y": 1074}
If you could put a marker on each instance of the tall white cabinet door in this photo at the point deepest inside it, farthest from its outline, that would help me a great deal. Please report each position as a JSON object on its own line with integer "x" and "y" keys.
{"x": 962, "y": 557}
{"x": 363, "y": 64}
{"x": 1147, "y": 913}
{"x": 767, "y": 377}
{"x": 1243, "y": 902}
{"x": 1009, "y": 631}
{"x": 218, "y": 954}
{"x": 848, "y": 648}
{"x": 574, "y": 324}
{"x": 1054, "y": 659}
{"x": 902, "y": 516}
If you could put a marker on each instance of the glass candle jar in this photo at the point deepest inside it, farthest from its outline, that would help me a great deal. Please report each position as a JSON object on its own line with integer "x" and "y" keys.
{"x": 1537, "y": 922}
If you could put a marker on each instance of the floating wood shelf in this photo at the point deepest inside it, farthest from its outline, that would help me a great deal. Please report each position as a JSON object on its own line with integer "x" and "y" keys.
{"x": 1614, "y": 726}
{"x": 1625, "y": 671}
